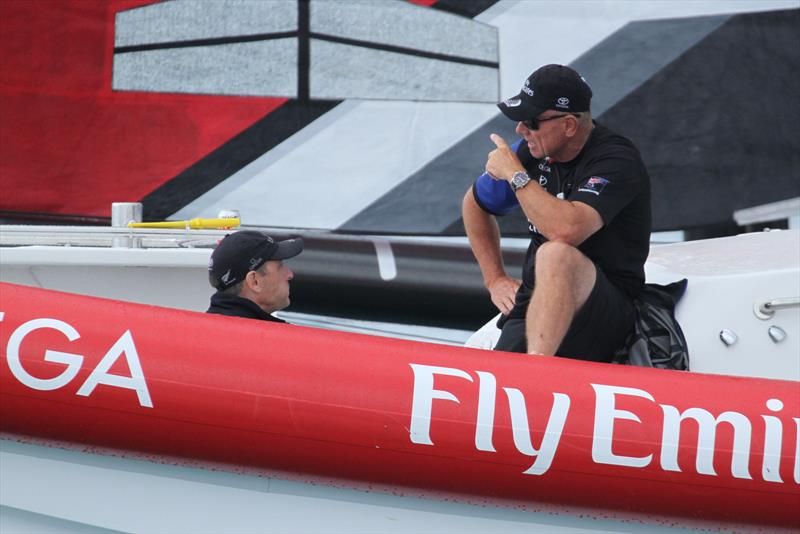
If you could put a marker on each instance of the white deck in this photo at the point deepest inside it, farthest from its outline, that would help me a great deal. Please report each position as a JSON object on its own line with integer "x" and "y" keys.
{"x": 727, "y": 278}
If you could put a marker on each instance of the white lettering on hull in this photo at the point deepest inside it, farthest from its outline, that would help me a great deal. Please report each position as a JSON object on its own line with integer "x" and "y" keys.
{"x": 484, "y": 424}
{"x": 552, "y": 434}
{"x": 100, "y": 375}
{"x": 136, "y": 382}
{"x": 797, "y": 451}
{"x": 605, "y": 414}
{"x": 422, "y": 403}
{"x": 72, "y": 361}
{"x": 773, "y": 437}
{"x": 706, "y": 438}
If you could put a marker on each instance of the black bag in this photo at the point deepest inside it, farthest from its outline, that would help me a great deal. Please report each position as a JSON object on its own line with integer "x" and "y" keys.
{"x": 657, "y": 339}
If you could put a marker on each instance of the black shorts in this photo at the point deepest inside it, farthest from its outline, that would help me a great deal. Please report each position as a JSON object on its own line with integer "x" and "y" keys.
{"x": 597, "y": 330}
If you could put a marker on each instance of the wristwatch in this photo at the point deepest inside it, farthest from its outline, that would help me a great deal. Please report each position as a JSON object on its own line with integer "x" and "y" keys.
{"x": 519, "y": 180}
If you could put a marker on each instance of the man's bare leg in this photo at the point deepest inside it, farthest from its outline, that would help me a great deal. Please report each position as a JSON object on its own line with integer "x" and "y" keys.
{"x": 564, "y": 280}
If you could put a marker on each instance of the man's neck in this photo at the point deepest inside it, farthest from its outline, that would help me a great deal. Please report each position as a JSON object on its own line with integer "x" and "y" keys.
{"x": 574, "y": 145}
{"x": 249, "y": 295}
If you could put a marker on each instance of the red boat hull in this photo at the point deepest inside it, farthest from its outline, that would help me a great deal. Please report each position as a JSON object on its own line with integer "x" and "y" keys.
{"x": 415, "y": 416}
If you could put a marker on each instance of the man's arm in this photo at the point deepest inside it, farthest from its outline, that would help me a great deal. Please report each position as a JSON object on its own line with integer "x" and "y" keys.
{"x": 558, "y": 220}
{"x": 484, "y": 238}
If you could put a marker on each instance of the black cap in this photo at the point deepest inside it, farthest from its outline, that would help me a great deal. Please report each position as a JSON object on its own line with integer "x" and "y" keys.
{"x": 245, "y": 251}
{"x": 549, "y": 87}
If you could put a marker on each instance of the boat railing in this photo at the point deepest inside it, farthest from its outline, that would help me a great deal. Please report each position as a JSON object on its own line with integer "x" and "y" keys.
{"x": 124, "y": 237}
{"x": 766, "y": 309}
{"x": 107, "y": 236}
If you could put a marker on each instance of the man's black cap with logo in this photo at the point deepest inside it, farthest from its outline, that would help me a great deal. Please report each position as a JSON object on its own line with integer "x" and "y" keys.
{"x": 550, "y": 87}
{"x": 245, "y": 251}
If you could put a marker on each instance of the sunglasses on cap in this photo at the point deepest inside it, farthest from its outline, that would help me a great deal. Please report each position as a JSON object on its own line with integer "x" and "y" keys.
{"x": 533, "y": 124}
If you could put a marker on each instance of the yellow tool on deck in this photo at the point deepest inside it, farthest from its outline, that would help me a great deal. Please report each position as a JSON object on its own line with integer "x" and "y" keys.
{"x": 193, "y": 224}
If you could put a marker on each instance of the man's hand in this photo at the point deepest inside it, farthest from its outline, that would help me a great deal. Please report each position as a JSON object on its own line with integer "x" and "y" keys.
{"x": 503, "y": 290}
{"x": 502, "y": 162}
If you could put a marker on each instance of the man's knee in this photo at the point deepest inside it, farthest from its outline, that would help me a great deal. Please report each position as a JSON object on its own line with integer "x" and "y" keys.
{"x": 567, "y": 263}
{"x": 558, "y": 257}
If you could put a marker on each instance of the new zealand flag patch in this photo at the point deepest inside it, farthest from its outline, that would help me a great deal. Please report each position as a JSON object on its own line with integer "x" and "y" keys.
{"x": 595, "y": 185}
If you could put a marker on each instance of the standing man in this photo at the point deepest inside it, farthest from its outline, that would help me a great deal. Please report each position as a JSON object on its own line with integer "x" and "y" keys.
{"x": 248, "y": 273}
{"x": 586, "y": 194}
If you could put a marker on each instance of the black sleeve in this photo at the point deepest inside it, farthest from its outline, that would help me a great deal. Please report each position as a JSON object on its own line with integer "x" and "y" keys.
{"x": 610, "y": 182}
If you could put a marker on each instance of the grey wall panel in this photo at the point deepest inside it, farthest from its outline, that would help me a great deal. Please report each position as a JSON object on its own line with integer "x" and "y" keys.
{"x": 718, "y": 129}
{"x": 429, "y": 201}
{"x": 344, "y": 71}
{"x": 263, "y": 68}
{"x": 376, "y": 49}
{"x": 340, "y": 164}
{"x": 402, "y": 24}
{"x": 183, "y": 20}
{"x": 615, "y": 68}
{"x": 628, "y": 58}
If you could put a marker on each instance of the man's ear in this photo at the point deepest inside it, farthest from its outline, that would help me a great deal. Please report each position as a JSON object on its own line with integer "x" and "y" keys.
{"x": 571, "y": 125}
{"x": 251, "y": 281}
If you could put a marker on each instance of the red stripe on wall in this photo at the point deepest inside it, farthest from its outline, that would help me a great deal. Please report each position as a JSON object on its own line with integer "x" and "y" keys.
{"x": 71, "y": 145}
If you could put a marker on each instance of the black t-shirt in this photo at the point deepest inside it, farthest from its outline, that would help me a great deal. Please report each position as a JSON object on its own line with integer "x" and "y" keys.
{"x": 608, "y": 175}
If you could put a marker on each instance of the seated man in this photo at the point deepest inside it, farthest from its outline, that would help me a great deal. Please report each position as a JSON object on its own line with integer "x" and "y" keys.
{"x": 586, "y": 194}
{"x": 248, "y": 273}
